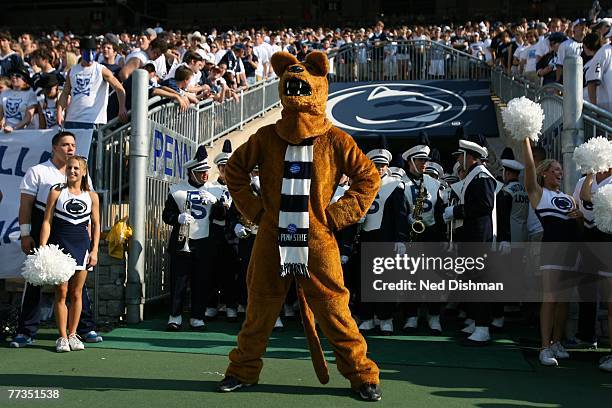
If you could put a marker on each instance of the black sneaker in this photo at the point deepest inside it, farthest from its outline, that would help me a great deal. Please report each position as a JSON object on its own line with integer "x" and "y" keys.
{"x": 369, "y": 392}
{"x": 229, "y": 384}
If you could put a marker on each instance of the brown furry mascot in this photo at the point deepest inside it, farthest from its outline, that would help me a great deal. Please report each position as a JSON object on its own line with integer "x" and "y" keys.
{"x": 301, "y": 159}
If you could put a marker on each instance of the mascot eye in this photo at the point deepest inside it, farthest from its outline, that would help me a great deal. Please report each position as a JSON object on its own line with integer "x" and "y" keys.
{"x": 295, "y": 69}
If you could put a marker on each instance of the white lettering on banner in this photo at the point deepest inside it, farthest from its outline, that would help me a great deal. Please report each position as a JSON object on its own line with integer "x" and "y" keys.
{"x": 20, "y": 150}
{"x": 169, "y": 153}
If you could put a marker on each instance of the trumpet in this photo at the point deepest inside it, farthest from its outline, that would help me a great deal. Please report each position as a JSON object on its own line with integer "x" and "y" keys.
{"x": 185, "y": 228}
{"x": 418, "y": 226}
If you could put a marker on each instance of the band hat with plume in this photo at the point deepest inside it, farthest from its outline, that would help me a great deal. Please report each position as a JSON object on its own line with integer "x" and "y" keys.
{"x": 474, "y": 145}
{"x": 380, "y": 156}
{"x": 421, "y": 150}
{"x": 398, "y": 172}
{"x": 200, "y": 160}
{"x": 512, "y": 164}
{"x": 433, "y": 167}
{"x": 225, "y": 154}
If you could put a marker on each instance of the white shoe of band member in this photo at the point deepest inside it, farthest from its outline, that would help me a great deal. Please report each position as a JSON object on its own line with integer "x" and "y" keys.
{"x": 367, "y": 325}
{"x": 559, "y": 351}
{"x": 547, "y": 357}
{"x": 231, "y": 313}
{"x": 605, "y": 363}
{"x": 196, "y": 323}
{"x": 469, "y": 322}
{"x": 469, "y": 329}
{"x": 288, "y": 310}
{"x": 386, "y": 325}
{"x": 211, "y": 312}
{"x": 62, "y": 345}
{"x": 411, "y": 322}
{"x": 481, "y": 333}
{"x": 498, "y": 322}
{"x": 434, "y": 323}
{"x": 75, "y": 343}
{"x": 279, "y": 323}
{"x": 178, "y": 320}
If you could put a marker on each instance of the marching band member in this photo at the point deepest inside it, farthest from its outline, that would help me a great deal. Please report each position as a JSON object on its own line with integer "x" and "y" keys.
{"x": 558, "y": 215}
{"x": 386, "y": 221}
{"x": 188, "y": 210}
{"x": 476, "y": 209}
{"x": 70, "y": 210}
{"x": 226, "y": 264}
{"x": 426, "y": 224}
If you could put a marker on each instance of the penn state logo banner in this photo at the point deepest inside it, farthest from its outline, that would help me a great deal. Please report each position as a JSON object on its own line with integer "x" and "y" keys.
{"x": 20, "y": 150}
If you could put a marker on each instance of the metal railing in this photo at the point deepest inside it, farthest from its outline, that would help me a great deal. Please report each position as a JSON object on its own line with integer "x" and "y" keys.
{"x": 596, "y": 121}
{"x": 200, "y": 124}
{"x": 408, "y": 60}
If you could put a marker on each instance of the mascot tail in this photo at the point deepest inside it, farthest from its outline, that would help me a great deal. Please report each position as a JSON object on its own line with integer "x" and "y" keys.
{"x": 314, "y": 344}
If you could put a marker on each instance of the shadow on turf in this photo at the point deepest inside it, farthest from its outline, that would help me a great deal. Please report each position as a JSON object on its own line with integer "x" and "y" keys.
{"x": 87, "y": 383}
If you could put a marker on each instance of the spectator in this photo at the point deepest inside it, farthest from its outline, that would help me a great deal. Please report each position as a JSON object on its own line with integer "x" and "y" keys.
{"x": 180, "y": 82}
{"x": 49, "y": 84}
{"x": 547, "y": 65}
{"x": 41, "y": 61}
{"x": 87, "y": 85}
{"x": 110, "y": 57}
{"x": 136, "y": 59}
{"x": 18, "y": 103}
{"x": 27, "y": 45}
{"x": 528, "y": 58}
{"x": 263, "y": 55}
{"x": 590, "y": 45}
{"x": 233, "y": 60}
{"x": 599, "y": 77}
{"x": 571, "y": 46}
{"x": 250, "y": 62}
{"x": 9, "y": 60}
{"x": 603, "y": 28}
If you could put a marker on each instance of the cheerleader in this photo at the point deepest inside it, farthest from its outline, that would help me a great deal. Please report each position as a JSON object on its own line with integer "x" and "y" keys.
{"x": 558, "y": 215}
{"x": 590, "y": 184}
{"x": 70, "y": 209}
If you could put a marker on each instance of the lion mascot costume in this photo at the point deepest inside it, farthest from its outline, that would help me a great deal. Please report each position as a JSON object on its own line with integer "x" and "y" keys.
{"x": 301, "y": 159}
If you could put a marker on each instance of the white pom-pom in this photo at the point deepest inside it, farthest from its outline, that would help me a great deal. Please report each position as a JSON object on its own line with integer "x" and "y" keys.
{"x": 602, "y": 208}
{"x": 594, "y": 156}
{"x": 49, "y": 265}
{"x": 523, "y": 118}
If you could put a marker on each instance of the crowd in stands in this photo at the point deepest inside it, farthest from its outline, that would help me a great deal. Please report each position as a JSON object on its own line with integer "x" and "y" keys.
{"x": 189, "y": 67}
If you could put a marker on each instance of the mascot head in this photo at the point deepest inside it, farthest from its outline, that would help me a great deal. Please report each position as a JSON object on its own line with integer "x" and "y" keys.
{"x": 303, "y": 93}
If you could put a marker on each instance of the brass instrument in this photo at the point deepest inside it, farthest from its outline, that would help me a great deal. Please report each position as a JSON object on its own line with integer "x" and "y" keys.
{"x": 185, "y": 228}
{"x": 418, "y": 226}
{"x": 249, "y": 226}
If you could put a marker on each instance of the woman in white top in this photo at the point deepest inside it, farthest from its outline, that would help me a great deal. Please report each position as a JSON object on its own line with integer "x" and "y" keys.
{"x": 71, "y": 215}
{"x": 18, "y": 103}
{"x": 558, "y": 215}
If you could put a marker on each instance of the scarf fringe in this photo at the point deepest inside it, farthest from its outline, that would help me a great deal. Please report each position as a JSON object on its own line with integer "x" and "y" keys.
{"x": 295, "y": 269}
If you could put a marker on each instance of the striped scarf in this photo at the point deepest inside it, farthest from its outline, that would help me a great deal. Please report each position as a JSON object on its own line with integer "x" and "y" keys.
{"x": 293, "y": 220}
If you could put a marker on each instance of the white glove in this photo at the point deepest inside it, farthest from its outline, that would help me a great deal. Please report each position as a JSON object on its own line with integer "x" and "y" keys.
{"x": 185, "y": 218}
{"x": 344, "y": 259}
{"x": 240, "y": 231}
{"x": 207, "y": 197}
{"x": 449, "y": 214}
{"x": 400, "y": 248}
{"x": 226, "y": 200}
{"x": 505, "y": 247}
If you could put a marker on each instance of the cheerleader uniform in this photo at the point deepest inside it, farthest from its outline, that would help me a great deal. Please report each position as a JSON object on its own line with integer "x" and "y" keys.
{"x": 69, "y": 227}
{"x": 553, "y": 212}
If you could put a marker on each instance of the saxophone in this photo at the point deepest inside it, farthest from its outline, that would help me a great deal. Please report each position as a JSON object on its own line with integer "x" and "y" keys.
{"x": 418, "y": 226}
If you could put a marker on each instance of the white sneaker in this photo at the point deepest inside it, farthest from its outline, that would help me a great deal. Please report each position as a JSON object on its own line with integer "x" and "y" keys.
{"x": 75, "y": 343}
{"x": 279, "y": 323}
{"x": 386, "y": 326}
{"x": 62, "y": 345}
{"x": 197, "y": 323}
{"x": 211, "y": 312}
{"x": 547, "y": 357}
{"x": 411, "y": 323}
{"x": 469, "y": 329}
{"x": 559, "y": 351}
{"x": 367, "y": 325}
{"x": 288, "y": 310}
{"x": 605, "y": 363}
{"x": 434, "y": 323}
{"x": 178, "y": 320}
{"x": 231, "y": 313}
{"x": 498, "y": 322}
{"x": 480, "y": 334}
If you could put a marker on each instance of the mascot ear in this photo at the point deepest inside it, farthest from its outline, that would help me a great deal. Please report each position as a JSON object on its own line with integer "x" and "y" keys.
{"x": 319, "y": 62}
{"x": 281, "y": 60}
